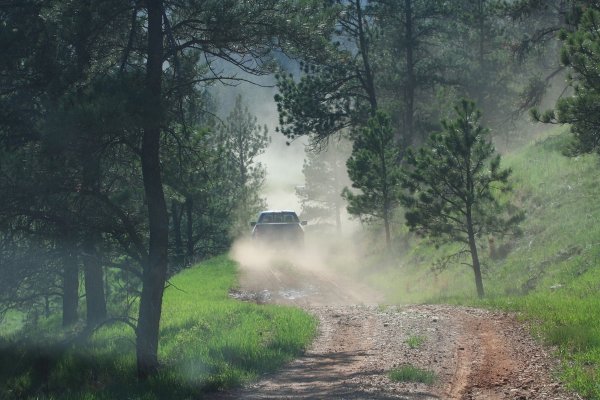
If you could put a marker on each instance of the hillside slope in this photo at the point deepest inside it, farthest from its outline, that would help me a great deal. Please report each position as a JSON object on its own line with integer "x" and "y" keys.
{"x": 551, "y": 274}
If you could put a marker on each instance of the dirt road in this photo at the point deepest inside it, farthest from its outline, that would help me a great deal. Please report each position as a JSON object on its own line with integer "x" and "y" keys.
{"x": 475, "y": 354}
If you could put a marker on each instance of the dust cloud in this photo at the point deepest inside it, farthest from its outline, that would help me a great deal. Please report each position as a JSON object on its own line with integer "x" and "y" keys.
{"x": 315, "y": 273}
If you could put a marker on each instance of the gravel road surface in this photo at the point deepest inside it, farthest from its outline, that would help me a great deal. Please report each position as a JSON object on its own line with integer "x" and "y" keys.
{"x": 475, "y": 354}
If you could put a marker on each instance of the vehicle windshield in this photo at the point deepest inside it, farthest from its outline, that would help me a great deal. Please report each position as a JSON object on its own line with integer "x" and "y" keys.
{"x": 278, "y": 217}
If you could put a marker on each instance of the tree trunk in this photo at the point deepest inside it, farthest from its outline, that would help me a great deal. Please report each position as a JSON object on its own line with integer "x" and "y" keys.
{"x": 176, "y": 214}
{"x": 385, "y": 190}
{"x": 388, "y": 237}
{"x": 409, "y": 97}
{"x": 369, "y": 80}
{"x": 70, "y": 300}
{"x": 338, "y": 218}
{"x": 94, "y": 284}
{"x": 155, "y": 267}
{"x": 481, "y": 49}
{"x": 189, "y": 208}
{"x": 338, "y": 189}
{"x": 46, "y": 306}
{"x": 474, "y": 257}
{"x": 92, "y": 265}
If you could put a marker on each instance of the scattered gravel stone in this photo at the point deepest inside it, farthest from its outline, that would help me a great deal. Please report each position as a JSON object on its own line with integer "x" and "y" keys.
{"x": 474, "y": 353}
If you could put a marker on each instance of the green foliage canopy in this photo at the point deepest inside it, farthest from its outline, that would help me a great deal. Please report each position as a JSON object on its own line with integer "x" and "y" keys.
{"x": 581, "y": 53}
{"x": 456, "y": 174}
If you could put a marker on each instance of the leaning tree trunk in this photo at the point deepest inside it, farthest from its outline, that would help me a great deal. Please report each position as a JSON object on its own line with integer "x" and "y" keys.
{"x": 474, "y": 256}
{"x": 155, "y": 266}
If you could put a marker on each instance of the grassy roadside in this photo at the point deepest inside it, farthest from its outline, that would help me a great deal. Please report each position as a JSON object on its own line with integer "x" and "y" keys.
{"x": 208, "y": 342}
{"x": 551, "y": 275}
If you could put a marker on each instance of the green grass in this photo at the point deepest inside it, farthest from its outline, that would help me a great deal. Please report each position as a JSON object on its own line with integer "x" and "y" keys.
{"x": 410, "y": 373}
{"x": 415, "y": 341}
{"x": 550, "y": 275}
{"x": 11, "y": 322}
{"x": 208, "y": 342}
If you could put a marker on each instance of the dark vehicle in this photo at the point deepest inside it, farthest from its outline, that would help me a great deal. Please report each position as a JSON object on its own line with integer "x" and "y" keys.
{"x": 278, "y": 226}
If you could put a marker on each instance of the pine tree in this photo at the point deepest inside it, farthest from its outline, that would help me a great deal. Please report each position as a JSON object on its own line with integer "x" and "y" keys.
{"x": 325, "y": 177}
{"x": 374, "y": 170}
{"x": 453, "y": 182}
{"x": 408, "y": 59}
{"x": 242, "y": 140}
{"x": 581, "y": 53}
{"x": 337, "y": 89}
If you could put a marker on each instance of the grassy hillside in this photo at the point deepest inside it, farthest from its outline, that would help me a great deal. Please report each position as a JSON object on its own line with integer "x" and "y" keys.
{"x": 551, "y": 273}
{"x": 208, "y": 342}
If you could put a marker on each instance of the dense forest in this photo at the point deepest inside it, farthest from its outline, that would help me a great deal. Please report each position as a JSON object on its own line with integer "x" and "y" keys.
{"x": 118, "y": 168}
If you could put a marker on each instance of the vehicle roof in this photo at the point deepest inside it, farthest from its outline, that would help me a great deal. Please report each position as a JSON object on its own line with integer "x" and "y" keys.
{"x": 277, "y": 211}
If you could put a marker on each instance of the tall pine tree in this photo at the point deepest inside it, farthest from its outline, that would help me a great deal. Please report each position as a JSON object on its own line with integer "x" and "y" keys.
{"x": 374, "y": 170}
{"x": 452, "y": 185}
{"x": 242, "y": 140}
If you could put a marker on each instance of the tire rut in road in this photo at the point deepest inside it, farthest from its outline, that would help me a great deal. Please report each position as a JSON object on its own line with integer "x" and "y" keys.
{"x": 475, "y": 354}
{"x": 349, "y": 360}
{"x": 496, "y": 358}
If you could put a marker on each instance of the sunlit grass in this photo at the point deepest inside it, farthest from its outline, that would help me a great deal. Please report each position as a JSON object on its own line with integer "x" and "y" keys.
{"x": 11, "y": 322}
{"x": 410, "y": 373}
{"x": 552, "y": 274}
{"x": 415, "y": 341}
{"x": 208, "y": 342}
